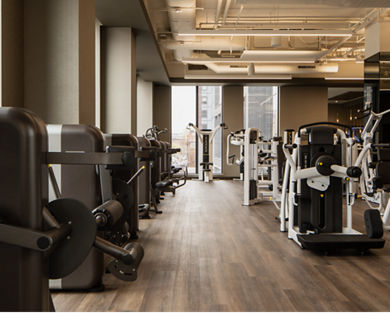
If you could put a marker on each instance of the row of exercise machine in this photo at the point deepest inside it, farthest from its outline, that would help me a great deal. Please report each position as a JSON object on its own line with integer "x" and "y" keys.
{"x": 308, "y": 174}
{"x": 70, "y": 195}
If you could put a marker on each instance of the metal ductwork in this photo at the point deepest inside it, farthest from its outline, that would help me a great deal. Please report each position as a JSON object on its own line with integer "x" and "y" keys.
{"x": 253, "y": 69}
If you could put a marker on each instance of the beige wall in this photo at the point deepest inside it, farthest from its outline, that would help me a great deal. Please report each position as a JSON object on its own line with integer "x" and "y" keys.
{"x": 116, "y": 79}
{"x": 12, "y": 53}
{"x": 233, "y": 116}
{"x": 162, "y": 109}
{"x": 302, "y": 105}
{"x": 144, "y": 106}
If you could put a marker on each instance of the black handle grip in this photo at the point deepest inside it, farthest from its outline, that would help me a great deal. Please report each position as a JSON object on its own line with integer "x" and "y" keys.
{"x": 292, "y": 146}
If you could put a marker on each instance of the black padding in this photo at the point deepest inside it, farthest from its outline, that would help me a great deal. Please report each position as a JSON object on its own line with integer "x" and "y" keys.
{"x": 323, "y": 164}
{"x": 373, "y": 222}
{"x": 330, "y": 242}
{"x": 163, "y": 184}
{"x": 176, "y": 170}
{"x": 109, "y": 213}
{"x": 124, "y": 193}
{"x": 321, "y": 135}
{"x": 354, "y": 171}
{"x": 70, "y": 253}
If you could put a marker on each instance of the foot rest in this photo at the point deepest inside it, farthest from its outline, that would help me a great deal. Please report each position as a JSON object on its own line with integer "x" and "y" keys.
{"x": 335, "y": 242}
{"x": 143, "y": 207}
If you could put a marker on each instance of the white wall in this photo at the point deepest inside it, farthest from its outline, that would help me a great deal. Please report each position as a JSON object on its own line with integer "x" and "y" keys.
{"x": 144, "y": 106}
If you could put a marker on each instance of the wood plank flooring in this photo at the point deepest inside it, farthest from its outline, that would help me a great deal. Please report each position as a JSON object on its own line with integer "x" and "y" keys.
{"x": 206, "y": 252}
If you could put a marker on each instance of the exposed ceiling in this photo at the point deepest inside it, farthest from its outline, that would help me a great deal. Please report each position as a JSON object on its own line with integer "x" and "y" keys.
{"x": 265, "y": 40}
{"x": 130, "y": 13}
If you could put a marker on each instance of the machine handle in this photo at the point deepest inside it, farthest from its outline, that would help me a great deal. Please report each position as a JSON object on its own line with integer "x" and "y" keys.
{"x": 323, "y": 123}
{"x": 136, "y": 175}
{"x": 32, "y": 239}
{"x": 290, "y": 146}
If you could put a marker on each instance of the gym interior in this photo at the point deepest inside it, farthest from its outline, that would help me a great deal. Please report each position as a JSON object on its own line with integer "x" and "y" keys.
{"x": 193, "y": 155}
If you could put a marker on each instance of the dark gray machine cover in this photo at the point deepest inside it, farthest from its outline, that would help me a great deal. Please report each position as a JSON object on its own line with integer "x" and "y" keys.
{"x": 80, "y": 182}
{"x": 144, "y": 194}
{"x": 23, "y": 193}
{"x": 125, "y": 174}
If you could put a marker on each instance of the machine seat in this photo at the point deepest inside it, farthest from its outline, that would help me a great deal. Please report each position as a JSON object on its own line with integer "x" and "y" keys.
{"x": 163, "y": 184}
{"x": 175, "y": 170}
{"x": 328, "y": 242}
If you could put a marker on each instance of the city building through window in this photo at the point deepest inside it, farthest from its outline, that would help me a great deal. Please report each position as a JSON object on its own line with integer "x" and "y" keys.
{"x": 261, "y": 109}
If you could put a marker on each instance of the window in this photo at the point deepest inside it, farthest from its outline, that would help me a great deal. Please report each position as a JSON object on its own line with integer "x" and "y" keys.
{"x": 209, "y": 117}
{"x": 261, "y": 109}
{"x": 184, "y": 112}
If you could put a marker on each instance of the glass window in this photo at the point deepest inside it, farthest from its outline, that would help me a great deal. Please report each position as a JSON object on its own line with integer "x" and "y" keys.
{"x": 184, "y": 112}
{"x": 209, "y": 117}
{"x": 261, "y": 106}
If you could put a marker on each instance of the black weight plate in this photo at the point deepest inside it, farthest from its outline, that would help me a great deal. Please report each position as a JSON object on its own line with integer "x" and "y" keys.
{"x": 70, "y": 253}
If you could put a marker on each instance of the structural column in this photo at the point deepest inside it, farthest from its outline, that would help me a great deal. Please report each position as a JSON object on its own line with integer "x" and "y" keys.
{"x": 162, "y": 109}
{"x": 233, "y": 116}
{"x": 59, "y": 60}
{"x": 119, "y": 81}
{"x": 12, "y": 65}
{"x": 302, "y": 105}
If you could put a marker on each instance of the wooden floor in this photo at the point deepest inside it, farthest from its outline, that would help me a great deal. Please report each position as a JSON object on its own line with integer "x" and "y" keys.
{"x": 206, "y": 252}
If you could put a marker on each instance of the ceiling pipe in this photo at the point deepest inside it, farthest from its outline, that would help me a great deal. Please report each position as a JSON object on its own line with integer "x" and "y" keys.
{"x": 218, "y": 13}
{"x": 237, "y": 44}
{"x": 370, "y": 18}
{"x": 266, "y": 32}
{"x": 227, "y": 7}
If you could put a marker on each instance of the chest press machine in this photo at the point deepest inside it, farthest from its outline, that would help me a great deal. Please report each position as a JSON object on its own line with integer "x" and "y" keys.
{"x": 313, "y": 194}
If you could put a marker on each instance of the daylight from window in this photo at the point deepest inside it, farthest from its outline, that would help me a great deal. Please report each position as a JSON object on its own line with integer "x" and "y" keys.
{"x": 184, "y": 112}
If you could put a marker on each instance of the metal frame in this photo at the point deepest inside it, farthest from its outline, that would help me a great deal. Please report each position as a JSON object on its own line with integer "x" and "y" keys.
{"x": 253, "y": 164}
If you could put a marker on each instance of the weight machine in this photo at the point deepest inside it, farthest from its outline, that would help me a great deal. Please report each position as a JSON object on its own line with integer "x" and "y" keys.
{"x": 261, "y": 169}
{"x": 318, "y": 168}
{"x": 205, "y": 164}
{"x": 375, "y": 180}
{"x": 236, "y": 139}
